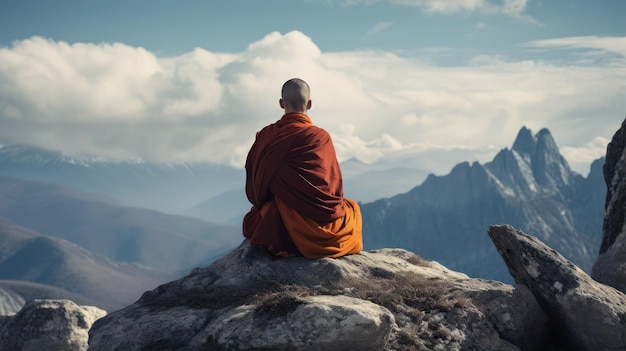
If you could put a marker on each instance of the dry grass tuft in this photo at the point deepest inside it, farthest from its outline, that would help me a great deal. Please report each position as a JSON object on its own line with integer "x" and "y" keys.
{"x": 281, "y": 303}
{"x": 417, "y": 260}
{"x": 407, "y": 289}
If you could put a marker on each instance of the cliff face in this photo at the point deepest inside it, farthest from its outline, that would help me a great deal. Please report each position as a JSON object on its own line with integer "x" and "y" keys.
{"x": 610, "y": 266}
{"x": 529, "y": 186}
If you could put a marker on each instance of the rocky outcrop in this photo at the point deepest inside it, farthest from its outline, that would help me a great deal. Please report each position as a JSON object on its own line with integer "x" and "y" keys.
{"x": 48, "y": 325}
{"x": 584, "y": 314}
{"x": 610, "y": 266}
{"x": 377, "y": 300}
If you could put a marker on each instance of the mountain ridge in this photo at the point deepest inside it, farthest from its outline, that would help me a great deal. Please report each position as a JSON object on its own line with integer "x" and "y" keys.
{"x": 40, "y": 266}
{"x": 529, "y": 186}
{"x": 167, "y": 186}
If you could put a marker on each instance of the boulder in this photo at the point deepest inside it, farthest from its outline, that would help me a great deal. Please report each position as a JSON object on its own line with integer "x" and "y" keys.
{"x": 584, "y": 314}
{"x": 48, "y": 325}
{"x": 376, "y": 300}
{"x": 610, "y": 266}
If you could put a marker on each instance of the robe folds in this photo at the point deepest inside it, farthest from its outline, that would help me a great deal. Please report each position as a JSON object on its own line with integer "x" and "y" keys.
{"x": 294, "y": 183}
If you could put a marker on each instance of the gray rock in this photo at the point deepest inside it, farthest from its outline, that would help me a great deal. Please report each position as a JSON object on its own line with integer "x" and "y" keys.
{"x": 48, "y": 325}
{"x": 585, "y": 314}
{"x": 610, "y": 266}
{"x": 318, "y": 323}
{"x": 377, "y": 300}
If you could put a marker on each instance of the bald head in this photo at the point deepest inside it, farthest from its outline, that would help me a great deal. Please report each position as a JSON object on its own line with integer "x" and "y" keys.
{"x": 295, "y": 96}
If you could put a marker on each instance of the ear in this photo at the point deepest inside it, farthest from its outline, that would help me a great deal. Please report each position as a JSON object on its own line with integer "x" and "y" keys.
{"x": 309, "y": 104}
{"x": 280, "y": 102}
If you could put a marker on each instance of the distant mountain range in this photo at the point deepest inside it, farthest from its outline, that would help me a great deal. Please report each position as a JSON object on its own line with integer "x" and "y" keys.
{"x": 529, "y": 186}
{"x": 166, "y": 187}
{"x": 56, "y": 240}
{"x": 168, "y": 242}
{"x": 206, "y": 191}
{"x": 39, "y": 266}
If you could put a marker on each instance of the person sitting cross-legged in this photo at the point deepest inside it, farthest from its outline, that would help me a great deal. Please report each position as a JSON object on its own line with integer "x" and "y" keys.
{"x": 294, "y": 183}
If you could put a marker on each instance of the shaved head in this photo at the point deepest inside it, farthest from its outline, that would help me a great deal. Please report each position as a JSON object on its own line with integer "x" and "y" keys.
{"x": 296, "y": 96}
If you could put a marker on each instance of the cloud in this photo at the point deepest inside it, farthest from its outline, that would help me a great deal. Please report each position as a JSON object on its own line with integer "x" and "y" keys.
{"x": 447, "y": 6}
{"x": 119, "y": 101}
{"x": 582, "y": 156}
{"x": 513, "y": 8}
{"x": 379, "y": 27}
{"x": 605, "y": 45}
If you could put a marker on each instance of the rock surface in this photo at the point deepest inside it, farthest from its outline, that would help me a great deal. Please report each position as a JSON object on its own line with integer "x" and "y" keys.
{"x": 48, "y": 325}
{"x": 386, "y": 299}
{"x": 610, "y": 266}
{"x": 584, "y": 314}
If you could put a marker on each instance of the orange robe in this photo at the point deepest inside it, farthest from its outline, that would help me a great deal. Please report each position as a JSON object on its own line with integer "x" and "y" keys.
{"x": 295, "y": 186}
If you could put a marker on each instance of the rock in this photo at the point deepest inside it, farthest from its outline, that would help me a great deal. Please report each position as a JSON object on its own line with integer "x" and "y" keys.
{"x": 318, "y": 323}
{"x": 610, "y": 266}
{"x": 377, "y": 300}
{"x": 48, "y": 325}
{"x": 584, "y": 314}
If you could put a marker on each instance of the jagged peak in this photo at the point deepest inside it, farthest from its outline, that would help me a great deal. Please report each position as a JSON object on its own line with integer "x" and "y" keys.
{"x": 546, "y": 141}
{"x": 525, "y": 142}
{"x": 527, "y": 145}
{"x": 533, "y": 163}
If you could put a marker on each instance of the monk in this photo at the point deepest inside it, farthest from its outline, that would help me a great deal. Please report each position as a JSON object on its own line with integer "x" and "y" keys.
{"x": 294, "y": 183}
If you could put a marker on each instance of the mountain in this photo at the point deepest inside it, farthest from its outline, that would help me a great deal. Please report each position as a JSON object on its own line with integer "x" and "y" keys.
{"x": 366, "y": 186}
{"x": 167, "y": 187}
{"x": 170, "y": 243}
{"x": 228, "y": 208}
{"x": 38, "y": 266}
{"x": 529, "y": 186}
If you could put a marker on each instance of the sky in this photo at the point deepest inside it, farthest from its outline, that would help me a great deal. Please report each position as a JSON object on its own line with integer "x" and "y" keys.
{"x": 397, "y": 83}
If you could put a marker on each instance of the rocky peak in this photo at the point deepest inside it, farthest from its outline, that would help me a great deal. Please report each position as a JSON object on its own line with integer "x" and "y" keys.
{"x": 533, "y": 164}
{"x": 525, "y": 143}
{"x": 530, "y": 146}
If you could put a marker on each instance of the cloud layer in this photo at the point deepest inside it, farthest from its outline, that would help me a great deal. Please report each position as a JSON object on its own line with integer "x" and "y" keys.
{"x": 514, "y": 8}
{"x": 119, "y": 101}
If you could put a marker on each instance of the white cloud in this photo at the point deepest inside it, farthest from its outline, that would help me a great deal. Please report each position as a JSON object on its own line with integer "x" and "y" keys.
{"x": 610, "y": 45}
{"x": 119, "y": 101}
{"x": 447, "y": 6}
{"x": 581, "y": 156}
{"x": 513, "y": 8}
{"x": 379, "y": 27}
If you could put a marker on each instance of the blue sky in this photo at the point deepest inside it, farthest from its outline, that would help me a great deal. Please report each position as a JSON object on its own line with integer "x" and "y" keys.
{"x": 419, "y": 83}
{"x": 176, "y": 27}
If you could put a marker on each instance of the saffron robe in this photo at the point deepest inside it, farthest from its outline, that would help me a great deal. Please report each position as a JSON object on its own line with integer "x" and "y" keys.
{"x": 295, "y": 186}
